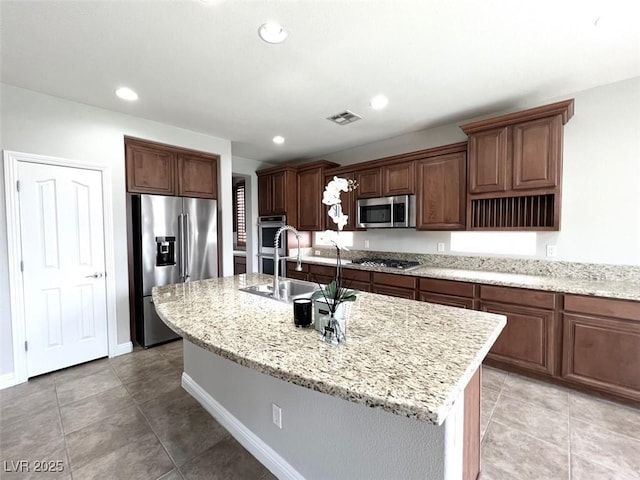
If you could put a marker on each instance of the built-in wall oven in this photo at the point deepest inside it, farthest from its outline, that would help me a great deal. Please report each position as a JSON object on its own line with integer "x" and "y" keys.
{"x": 267, "y": 228}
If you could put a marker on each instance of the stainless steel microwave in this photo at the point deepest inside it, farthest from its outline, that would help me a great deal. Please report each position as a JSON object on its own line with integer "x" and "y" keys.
{"x": 387, "y": 212}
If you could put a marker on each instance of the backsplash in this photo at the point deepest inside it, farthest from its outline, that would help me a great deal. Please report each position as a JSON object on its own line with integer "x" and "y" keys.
{"x": 583, "y": 271}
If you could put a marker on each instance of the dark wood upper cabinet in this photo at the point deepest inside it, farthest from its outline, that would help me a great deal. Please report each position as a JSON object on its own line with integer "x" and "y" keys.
{"x": 537, "y": 153}
{"x": 277, "y": 192}
{"x": 160, "y": 169}
{"x": 398, "y": 179}
{"x": 197, "y": 177}
{"x": 515, "y": 169}
{"x": 441, "y": 198}
{"x": 369, "y": 183}
{"x": 312, "y": 213}
{"x": 149, "y": 169}
{"x": 265, "y": 194}
{"x": 488, "y": 172}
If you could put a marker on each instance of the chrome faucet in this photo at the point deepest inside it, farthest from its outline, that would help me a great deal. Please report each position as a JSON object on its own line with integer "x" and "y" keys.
{"x": 276, "y": 265}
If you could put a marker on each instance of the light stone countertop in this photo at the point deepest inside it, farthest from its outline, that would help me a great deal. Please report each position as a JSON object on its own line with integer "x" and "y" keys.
{"x": 620, "y": 289}
{"x": 410, "y": 358}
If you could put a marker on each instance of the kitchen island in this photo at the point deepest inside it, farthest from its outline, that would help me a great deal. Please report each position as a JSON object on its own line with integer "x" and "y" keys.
{"x": 409, "y": 361}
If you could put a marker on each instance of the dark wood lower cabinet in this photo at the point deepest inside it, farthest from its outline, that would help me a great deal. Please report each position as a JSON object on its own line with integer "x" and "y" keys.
{"x": 449, "y": 300}
{"x": 527, "y": 340}
{"x": 602, "y": 352}
{"x": 394, "y": 291}
{"x": 239, "y": 264}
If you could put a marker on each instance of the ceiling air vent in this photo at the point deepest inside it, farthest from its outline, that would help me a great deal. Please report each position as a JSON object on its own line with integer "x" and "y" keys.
{"x": 344, "y": 118}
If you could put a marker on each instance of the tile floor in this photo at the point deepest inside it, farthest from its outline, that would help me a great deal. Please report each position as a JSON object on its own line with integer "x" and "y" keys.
{"x": 128, "y": 417}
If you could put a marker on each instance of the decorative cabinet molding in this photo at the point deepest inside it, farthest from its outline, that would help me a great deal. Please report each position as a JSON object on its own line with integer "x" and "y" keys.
{"x": 166, "y": 170}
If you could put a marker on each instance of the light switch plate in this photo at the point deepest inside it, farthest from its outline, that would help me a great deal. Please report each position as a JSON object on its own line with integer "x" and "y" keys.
{"x": 552, "y": 250}
{"x": 276, "y": 415}
{"x": 441, "y": 246}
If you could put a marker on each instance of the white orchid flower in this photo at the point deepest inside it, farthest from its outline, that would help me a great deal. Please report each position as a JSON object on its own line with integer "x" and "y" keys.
{"x": 342, "y": 184}
{"x": 329, "y": 198}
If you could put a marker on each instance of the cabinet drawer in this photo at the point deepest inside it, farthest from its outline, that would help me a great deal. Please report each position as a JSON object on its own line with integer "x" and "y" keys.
{"x": 517, "y": 296}
{"x": 360, "y": 286}
{"x": 446, "y": 287}
{"x": 297, "y": 275}
{"x": 402, "y": 281}
{"x": 448, "y": 300}
{"x": 602, "y": 306}
{"x": 394, "y": 291}
{"x": 356, "y": 275}
{"x": 322, "y": 270}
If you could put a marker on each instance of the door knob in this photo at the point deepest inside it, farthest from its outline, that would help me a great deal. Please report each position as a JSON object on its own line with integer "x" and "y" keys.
{"x": 95, "y": 275}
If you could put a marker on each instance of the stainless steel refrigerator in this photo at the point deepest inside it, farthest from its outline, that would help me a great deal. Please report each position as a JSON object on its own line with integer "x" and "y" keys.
{"x": 175, "y": 240}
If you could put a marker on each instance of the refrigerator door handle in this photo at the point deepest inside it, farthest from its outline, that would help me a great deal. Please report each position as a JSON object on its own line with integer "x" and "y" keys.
{"x": 187, "y": 240}
{"x": 181, "y": 247}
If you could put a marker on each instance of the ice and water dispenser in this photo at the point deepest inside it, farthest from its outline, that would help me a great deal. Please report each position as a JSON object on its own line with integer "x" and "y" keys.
{"x": 165, "y": 251}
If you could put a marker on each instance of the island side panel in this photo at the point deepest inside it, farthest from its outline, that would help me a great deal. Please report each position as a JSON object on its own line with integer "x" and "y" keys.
{"x": 321, "y": 436}
{"x": 471, "y": 459}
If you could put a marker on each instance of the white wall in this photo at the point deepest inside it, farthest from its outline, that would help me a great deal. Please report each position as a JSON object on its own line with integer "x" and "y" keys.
{"x": 600, "y": 220}
{"x": 45, "y": 125}
{"x": 247, "y": 168}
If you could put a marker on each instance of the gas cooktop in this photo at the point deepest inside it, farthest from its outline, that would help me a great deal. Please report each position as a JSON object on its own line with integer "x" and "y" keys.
{"x": 385, "y": 262}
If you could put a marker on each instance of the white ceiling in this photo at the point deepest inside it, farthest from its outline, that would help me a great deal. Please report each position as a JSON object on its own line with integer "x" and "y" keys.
{"x": 201, "y": 66}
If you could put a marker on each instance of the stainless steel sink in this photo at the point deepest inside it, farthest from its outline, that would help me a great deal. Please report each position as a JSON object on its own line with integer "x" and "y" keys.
{"x": 289, "y": 290}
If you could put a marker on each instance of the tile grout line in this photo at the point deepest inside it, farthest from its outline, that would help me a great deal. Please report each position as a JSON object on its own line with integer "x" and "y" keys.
{"x": 159, "y": 441}
{"x": 64, "y": 435}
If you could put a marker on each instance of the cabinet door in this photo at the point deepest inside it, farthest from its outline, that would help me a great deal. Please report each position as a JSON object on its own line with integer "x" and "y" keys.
{"x": 311, "y": 210}
{"x": 398, "y": 179}
{"x": 528, "y": 340}
{"x": 449, "y": 300}
{"x": 279, "y": 194}
{"x": 369, "y": 183}
{"x": 441, "y": 198}
{"x": 197, "y": 177}
{"x": 488, "y": 160}
{"x": 150, "y": 170}
{"x": 264, "y": 195}
{"x": 537, "y": 153}
{"x": 602, "y": 353}
{"x": 239, "y": 265}
{"x": 394, "y": 291}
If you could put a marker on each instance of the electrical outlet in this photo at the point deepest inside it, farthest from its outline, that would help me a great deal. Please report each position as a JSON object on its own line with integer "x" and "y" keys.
{"x": 441, "y": 246}
{"x": 552, "y": 250}
{"x": 366, "y": 244}
{"x": 317, "y": 252}
{"x": 276, "y": 415}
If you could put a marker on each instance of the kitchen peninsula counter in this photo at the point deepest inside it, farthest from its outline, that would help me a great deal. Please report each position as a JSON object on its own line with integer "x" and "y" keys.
{"x": 409, "y": 358}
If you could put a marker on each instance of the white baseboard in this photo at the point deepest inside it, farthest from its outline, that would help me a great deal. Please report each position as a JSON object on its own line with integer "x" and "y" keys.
{"x": 121, "y": 349}
{"x": 249, "y": 440}
{"x": 7, "y": 380}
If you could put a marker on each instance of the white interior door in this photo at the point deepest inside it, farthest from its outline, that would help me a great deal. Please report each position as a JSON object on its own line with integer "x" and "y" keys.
{"x": 62, "y": 240}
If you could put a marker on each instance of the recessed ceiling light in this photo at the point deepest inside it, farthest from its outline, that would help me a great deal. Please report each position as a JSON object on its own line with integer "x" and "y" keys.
{"x": 126, "y": 93}
{"x": 279, "y": 139}
{"x": 379, "y": 102}
{"x": 272, "y": 32}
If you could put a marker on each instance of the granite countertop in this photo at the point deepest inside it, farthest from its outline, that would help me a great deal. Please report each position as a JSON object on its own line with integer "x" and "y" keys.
{"x": 409, "y": 358}
{"x": 621, "y": 289}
